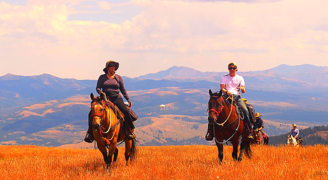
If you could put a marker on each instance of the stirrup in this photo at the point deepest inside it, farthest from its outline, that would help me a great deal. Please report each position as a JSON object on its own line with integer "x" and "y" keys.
{"x": 208, "y": 137}
{"x": 250, "y": 136}
{"x": 88, "y": 139}
{"x": 131, "y": 135}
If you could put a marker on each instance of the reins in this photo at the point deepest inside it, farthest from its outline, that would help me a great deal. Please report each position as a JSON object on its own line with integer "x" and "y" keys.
{"x": 103, "y": 134}
{"x": 222, "y": 124}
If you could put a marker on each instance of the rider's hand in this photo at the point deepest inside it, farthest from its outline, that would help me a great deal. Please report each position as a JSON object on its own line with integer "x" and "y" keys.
{"x": 229, "y": 93}
{"x": 130, "y": 103}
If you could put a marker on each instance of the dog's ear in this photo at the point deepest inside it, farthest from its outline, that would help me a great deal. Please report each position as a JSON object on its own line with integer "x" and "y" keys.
{"x": 92, "y": 97}
{"x": 210, "y": 92}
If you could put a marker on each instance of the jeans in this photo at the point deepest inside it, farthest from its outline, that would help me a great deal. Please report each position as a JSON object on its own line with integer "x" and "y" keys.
{"x": 243, "y": 107}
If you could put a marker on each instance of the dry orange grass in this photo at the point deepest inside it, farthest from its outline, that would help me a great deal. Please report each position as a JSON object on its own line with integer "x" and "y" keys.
{"x": 170, "y": 162}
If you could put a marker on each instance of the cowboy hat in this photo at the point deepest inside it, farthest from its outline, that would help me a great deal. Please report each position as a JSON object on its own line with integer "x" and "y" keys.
{"x": 107, "y": 64}
{"x": 258, "y": 114}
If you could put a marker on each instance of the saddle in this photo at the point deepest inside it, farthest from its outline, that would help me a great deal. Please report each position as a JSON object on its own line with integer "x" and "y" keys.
{"x": 119, "y": 113}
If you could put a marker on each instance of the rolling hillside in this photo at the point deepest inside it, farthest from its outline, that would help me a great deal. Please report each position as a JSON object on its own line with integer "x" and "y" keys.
{"x": 46, "y": 110}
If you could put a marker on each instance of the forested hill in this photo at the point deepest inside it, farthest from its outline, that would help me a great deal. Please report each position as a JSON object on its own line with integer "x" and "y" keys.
{"x": 311, "y": 136}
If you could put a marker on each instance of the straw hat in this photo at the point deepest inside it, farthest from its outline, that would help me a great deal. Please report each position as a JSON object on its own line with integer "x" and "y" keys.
{"x": 294, "y": 125}
{"x": 258, "y": 114}
{"x": 111, "y": 61}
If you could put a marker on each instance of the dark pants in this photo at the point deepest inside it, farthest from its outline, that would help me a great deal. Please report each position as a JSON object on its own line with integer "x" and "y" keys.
{"x": 127, "y": 117}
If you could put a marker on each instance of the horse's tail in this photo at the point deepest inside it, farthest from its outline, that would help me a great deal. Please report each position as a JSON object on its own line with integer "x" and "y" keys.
{"x": 247, "y": 149}
{"x": 133, "y": 150}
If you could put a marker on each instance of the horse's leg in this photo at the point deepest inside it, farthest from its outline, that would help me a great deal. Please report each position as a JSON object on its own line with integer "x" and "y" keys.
{"x": 101, "y": 145}
{"x": 111, "y": 151}
{"x": 241, "y": 151}
{"x": 220, "y": 149}
{"x": 128, "y": 146}
{"x": 115, "y": 155}
{"x": 235, "y": 150}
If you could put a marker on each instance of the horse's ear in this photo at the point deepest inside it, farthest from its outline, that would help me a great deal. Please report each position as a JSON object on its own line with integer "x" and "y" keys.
{"x": 102, "y": 95}
{"x": 220, "y": 93}
{"x": 210, "y": 92}
{"x": 92, "y": 97}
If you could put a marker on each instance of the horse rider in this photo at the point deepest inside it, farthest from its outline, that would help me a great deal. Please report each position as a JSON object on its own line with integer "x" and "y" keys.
{"x": 258, "y": 124}
{"x": 231, "y": 85}
{"x": 295, "y": 133}
{"x": 251, "y": 110}
{"x": 112, "y": 84}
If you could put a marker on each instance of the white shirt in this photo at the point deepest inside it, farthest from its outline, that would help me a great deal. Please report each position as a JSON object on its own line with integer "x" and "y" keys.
{"x": 232, "y": 83}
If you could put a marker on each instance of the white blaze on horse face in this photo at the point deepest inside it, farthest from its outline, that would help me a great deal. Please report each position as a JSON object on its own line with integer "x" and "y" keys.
{"x": 99, "y": 111}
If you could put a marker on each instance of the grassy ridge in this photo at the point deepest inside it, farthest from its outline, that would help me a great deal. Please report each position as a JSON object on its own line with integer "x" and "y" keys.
{"x": 165, "y": 162}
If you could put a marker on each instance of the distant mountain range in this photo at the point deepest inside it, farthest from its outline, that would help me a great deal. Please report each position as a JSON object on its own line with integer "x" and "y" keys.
{"x": 45, "y": 110}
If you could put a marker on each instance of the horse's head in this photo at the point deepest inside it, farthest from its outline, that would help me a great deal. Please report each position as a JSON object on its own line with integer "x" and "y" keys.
{"x": 215, "y": 105}
{"x": 98, "y": 110}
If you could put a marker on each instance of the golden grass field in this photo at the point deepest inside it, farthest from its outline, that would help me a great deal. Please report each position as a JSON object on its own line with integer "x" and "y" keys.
{"x": 164, "y": 162}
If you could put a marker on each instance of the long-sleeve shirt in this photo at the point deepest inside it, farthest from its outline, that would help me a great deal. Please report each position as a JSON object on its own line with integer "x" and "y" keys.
{"x": 294, "y": 132}
{"x": 112, "y": 87}
{"x": 258, "y": 124}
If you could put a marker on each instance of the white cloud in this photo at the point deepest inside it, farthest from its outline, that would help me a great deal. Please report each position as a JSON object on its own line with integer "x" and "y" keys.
{"x": 197, "y": 34}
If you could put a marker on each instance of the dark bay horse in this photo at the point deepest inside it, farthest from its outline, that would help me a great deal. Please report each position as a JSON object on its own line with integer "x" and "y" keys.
{"x": 227, "y": 126}
{"x": 108, "y": 131}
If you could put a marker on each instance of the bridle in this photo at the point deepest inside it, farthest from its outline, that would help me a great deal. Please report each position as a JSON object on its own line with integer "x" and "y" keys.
{"x": 101, "y": 115}
{"x": 218, "y": 112}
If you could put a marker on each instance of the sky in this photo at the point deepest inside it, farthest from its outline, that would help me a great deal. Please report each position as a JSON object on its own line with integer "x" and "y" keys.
{"x": 75, "y": 38}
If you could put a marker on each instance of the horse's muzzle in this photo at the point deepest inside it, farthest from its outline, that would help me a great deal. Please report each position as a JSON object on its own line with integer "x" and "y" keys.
{"x": 95, "y": 126}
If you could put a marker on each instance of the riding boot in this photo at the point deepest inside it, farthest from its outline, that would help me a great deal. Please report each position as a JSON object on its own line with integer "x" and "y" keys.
{"x": 209, "y": 135}
{"x": 130, "y": 134}
{"x": 248, "y": 132}
{"x": 250, "y": 136}
{"x": 89, "y": 136}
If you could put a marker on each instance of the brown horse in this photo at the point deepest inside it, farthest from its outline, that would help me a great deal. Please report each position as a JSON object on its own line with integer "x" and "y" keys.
{"x": 227, "y": 126}
{"x": 258, "y": 137}
{"x": 108, "y": 131}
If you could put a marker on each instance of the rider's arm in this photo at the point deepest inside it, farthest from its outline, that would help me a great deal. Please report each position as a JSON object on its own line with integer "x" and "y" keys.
{"x": 242, "y": 89}
{"x": 99, "y": 84}
{"x": 224, "y": 91}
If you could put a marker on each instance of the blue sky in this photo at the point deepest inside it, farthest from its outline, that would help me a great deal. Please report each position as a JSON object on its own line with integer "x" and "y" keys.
{"x": 75, "y": 38}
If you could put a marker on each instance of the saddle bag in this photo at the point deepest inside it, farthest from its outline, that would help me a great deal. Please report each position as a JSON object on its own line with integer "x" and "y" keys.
{"x": 251, "y": 111}
{"x": 133, "y": 115}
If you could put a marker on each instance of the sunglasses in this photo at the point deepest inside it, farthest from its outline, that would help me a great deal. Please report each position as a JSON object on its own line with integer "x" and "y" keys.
{"x": 232, "y": 68}
{"x": 111, "y": 65}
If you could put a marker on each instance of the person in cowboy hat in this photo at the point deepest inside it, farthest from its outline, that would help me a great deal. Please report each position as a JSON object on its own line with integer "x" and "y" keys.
{"x": 112, "y": 84}
{"x": 259, "y": 125}
{"x": 295, "y": 133}
{"x": 231, "y": 85}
